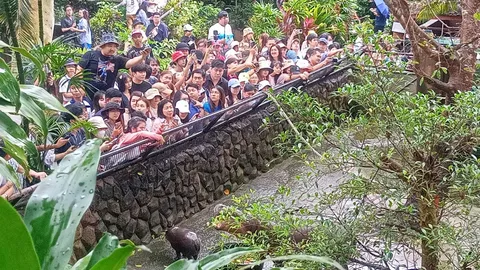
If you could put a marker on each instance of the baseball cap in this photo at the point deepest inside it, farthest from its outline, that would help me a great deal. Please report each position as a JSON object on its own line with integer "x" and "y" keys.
{"x": 97, "y": 121}
{"x": 243, "y": 77}
{"x": 323, "y": 40}
{"x": 233, "y": 83}
{"x": 134, "y": 32}
{"x": 187, "y": 27}
{"x": 182, "y": 106}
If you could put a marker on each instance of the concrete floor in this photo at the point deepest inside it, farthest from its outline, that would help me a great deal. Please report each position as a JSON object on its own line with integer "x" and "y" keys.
{"x": 264, "y": 186}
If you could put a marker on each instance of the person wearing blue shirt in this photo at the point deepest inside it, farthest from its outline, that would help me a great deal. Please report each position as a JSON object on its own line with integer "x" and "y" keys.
{"x": 157, "y": 30}
{"x": 216, "y": 100}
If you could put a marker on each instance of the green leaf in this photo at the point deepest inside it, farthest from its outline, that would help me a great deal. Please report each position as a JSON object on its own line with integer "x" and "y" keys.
{"x": 9, "y": 87}
{"x": 7, "y": 171}
{"x": 27, "y": 54}
{"x": 59, "y": 202}
{"x": 224, "y": 257}
{"x": 20, "y": 253}
{"x": 117, "y": 259}
{"x": 107, "y": 244}
{"x": 183, "y": 265}
{"x": 34, "y": 113}
{"x": 476, "y": 16}
{"x": 82, "y": 263}
{"x": 43, "y": 98}
{"x": 324, "y": 260}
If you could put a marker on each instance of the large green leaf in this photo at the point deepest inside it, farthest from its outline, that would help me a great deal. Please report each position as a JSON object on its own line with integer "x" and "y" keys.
{"x": 18, "y": 251}
{"x": 323, "y": 260}
{"x": 117, "y": 259}
{"x": 43, "y": 98}
{"x": 34, "y": 113}
{"x": 107, "y": 244}
{"x": 7, "y": 171}
{"x": 213, "y": 261}
{"x": 9, "y": 87}
{"x": 59, "y": 202}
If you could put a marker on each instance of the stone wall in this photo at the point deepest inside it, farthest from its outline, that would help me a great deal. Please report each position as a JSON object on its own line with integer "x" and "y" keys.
{"x": 143, "y": 199}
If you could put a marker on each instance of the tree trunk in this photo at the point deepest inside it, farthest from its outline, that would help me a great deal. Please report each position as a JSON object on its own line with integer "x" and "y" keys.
{"x": 48, "y": 20}
{"x": 428, "y": 220}
{"x": 429, "y": 55}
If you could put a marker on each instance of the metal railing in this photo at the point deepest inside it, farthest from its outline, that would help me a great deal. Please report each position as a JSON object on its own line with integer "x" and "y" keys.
{"x": 124, "y": 156}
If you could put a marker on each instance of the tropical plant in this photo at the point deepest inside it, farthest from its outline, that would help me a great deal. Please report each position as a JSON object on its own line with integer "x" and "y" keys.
{"x": 195, "y": 13}
{"x": 431, "y": 9}
{"x": 222, "y": 258}
{"x": 163, "y": 52}
{"x": 265, "y": 19}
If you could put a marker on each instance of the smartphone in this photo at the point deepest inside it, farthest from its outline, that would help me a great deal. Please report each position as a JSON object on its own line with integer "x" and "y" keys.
{"x": 215, "y": 35}
{"x": 253, "y": 44}
{"x": 300, "y": 31}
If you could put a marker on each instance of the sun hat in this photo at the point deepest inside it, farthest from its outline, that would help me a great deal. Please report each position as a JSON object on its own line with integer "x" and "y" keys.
{"x": 233, "y": 83}
{"x": 243, "y": 77}
{"x": 247, "y": 31}
{"x": 182, "y": 106}
{"x": 162, "y": 88}
{"x": 281, "y": 45}
{"x": 187, "y": 27}
{"x": 97, "y": 121}
{"x": 177, "y": 55}
{"x": 151, "y": 93}
{"x": 234, "y": 43}
{"x": 111, "y": 106}
{"x": 108, "y": 38}
{"x": 70, "y": 62}
{"x": 264, "y": 65}
{"x": 263, "y": 84}
{"x": 182, "y": 46}
{"x": 287, "y": 63}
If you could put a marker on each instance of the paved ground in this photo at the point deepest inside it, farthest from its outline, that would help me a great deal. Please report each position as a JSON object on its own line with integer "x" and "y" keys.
{"x": 265, "y": 185}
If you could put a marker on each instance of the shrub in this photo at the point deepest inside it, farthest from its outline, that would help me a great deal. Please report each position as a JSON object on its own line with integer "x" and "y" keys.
{"x": 264, "y": 19}
{"x": 108, "y": 19}
{"x": 197, "y": 14}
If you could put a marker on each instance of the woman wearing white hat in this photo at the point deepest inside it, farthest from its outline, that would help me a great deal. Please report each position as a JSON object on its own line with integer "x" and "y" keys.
{"x": 264, "y": 70}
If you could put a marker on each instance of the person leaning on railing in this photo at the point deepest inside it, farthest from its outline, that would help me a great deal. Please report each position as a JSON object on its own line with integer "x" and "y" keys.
{"x": 136, "y": 131}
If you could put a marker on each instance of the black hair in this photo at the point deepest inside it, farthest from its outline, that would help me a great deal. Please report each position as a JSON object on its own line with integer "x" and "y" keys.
{"x": 121, "y": 79}
{"x": 325, "y": 36}
{"x": 217, "y": 63}
{"x": 112, "y": 93}
{"x": 160, "y": 107}
{"x": 96, "y": 98}
{"x": 140, "y": 68}
{"x": 176, "y": 97}
{"x": 196, "y": 86}
{"x": 3, "y": 154}
{"x": 249, "y": 87}
{"x": 206, "y": 67}
{"x": 139, "y": 114}
{"x": 150, "y": 60}
{"x": 134, "y": 122}
{"x": 221, "y": 102}
{"x": 312, "y": 51}
{"x": 334, "y": 45}
{"x": 149, "y": 71}
{"x": 68, "y": 6}
{"x": 200, "y": 71}
{"x": 75, "y": 109}
{"x": 155, "y": 13}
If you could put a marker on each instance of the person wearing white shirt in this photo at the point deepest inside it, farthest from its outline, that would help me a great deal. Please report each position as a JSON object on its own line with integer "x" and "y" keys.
{"x": 221, "y": 30}
{"x": 132, "y": 7}
{"x": 64, "y": 83}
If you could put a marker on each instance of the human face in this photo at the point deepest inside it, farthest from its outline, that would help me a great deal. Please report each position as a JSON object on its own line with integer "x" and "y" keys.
{"x": 168, "y": 110}
{"x": 264, "y": 72}
{"x": 202, "y": 47}
{"x": 113, "y": 114}
{"x": 315, "y": 58}
{"x": 109, "y": 49}
{"x": 139, "y": 76}
{"x": 80, "y": 13}
{"x": 166, "y": 78}
{"x": 183, "y": 115}
{"x": 128, "y": 84}
{"x": 133, "y": 102}
{"x": 155, "y": 68}
{"x": 75, "y": 92}
{"x": 232, "y": 65}
{"x": 249, "y": 36}
{"x": 141, "y": 106}
{"x": 156, "y": 19}
{"x": 215, "y": 95}
{"x": 137, "y": 39}
{"x": 235, "y": 90}
{"x": 184, "y": 97}
{"x": 216, "y": 73}
{"x": 141, "y": 127}
{"x": 117, "y": 100}
{"x": 71, "y": 69}
{"x": 274, "y": 52}
{"x": 295, "y": 46}
{"x": 188, "y": 33}
{"x": 193, "y": 93}
{"x": 101, "y": 102}
{"x": 197, "y": 79}
{"x": 182, "y": 62}
{"x": 270, "y": 43}
{"x": 154, "y": 102}
{"x": 69, "y": 11}
{"x": 313, "y": 43}
{"x": 253, "y": 79}
{"x": 248, "y": 94}
{"x": 322, "y": 46}
{"x": 223, "y": 21}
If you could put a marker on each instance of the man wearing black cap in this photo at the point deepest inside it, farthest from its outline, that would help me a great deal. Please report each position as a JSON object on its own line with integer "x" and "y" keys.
{"x": 102, "y": 66}
{"x": 221, "y": 30}
{"x": 157, "y": 30}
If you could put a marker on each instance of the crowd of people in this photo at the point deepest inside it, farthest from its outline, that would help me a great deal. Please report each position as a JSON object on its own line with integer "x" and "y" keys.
{"x": 205, "y": 75}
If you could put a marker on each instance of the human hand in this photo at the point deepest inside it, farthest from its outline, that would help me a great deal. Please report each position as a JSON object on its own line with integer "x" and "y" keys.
{"x": 160, "y": 139}
{"x": 61, "y": 142}
{"x": 304, "y": 75}
{"x": 39, "y": 175}
{"x": 71, "y": 149}
{"x": 106, "y": 146}
{"x": 146, "y": 52}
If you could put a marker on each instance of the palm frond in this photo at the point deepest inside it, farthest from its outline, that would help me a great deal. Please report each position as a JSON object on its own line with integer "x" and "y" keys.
{"x": 19, "y": 18}
{"x": 431, "y": 9}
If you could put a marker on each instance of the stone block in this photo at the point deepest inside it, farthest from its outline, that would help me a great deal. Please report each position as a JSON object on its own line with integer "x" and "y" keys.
{"x": 130, "y": 229}
{"x": 89, "y": 218}
{"x": 89, "y": 239}
{"x": 154, "y": 219}
{"x": 142, "y": 198}
{"x": 127, "y": 201}
{"x": 134, "y": 209}
{"x": 117, "y": 193}
{"x": 159, "y": 191}
{"x": 179, "y": 217}
{"x": 134, "y": 238}
{"x": 123, "y": 219}
{"x": 144, "y": 213}
{"x": 218, "y": 192}
{"x": 164, "y": 204}
{"x": 202, "y": 204}
{"x": 170, "y": 187}
{"x": 114, "y": 207}
{"x": 186, "y": 204}
{"x": 109, "y": 219}
{"x": 142, "y": 228}
{"x": 153, "y": 205}
{"x": 113, "y": 229}
{"x": 79, "y": 250}
{"x": 157, "y": 230}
